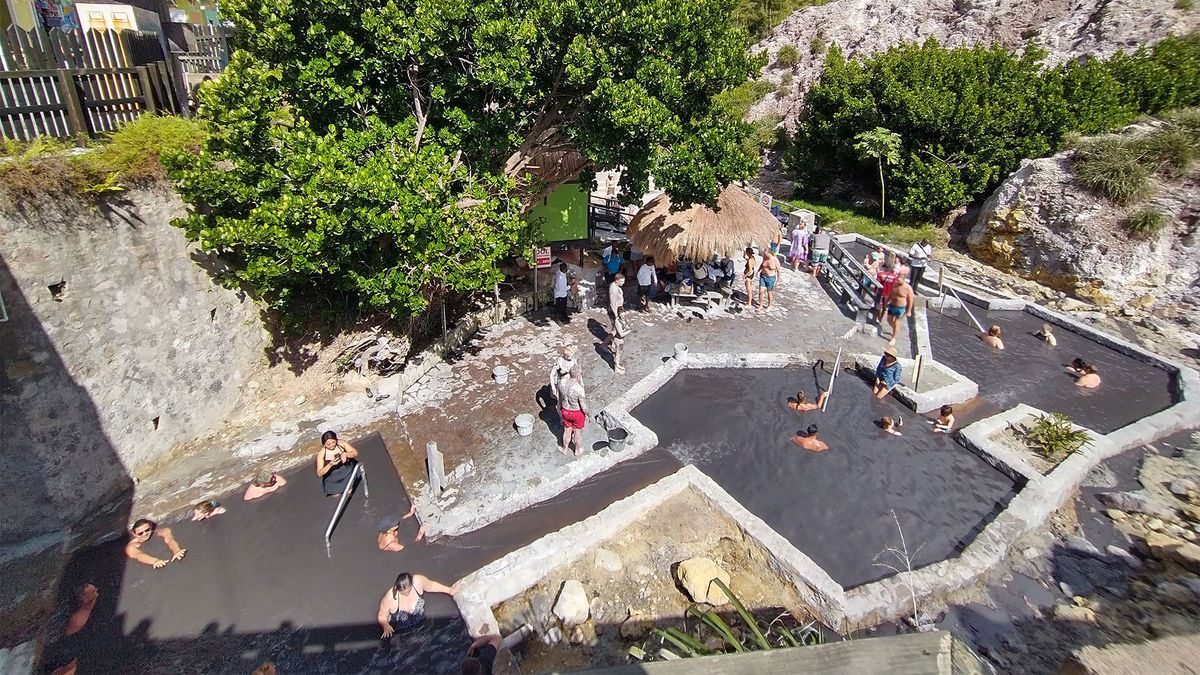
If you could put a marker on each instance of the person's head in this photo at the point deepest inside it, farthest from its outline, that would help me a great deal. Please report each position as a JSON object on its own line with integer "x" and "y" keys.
{"x": 143, "y": 529}
{"x": 329, "y": 439}
{"x": 264, "y": 479}
{"x": 749, "y": 251}
{"x": 812, "y": 431}
{"x": 87, "y": 594}
{"x": 1089, "y": 369}
{"x": 650, "y": 260}
{"x": 925, "y": 241}
{"x": 620, "y": 280}
{"x": 403, "y": 583}
{"x": 472, "y": 666}
{"x": 801, "y": 397}
{"x": 206, "y": 508}
{"x": 946, "y": 411}
{"x": 1046, "y": 329}
{"x": 576, "y": 373}
{"x": 562, "y": 267}
{"x": 568, "y": 352}
{"x": 994, "y": 331}
{"x": 890, "y": 355}
{"x": 817, "y": 229}
{"x": 1078, "y": 363}
{"x": 267, "y": 668}
{"x": 887, "y": 423}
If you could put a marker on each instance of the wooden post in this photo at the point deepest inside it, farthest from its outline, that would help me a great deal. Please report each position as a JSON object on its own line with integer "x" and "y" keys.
{"x": 69, "y": 95}
{"x": 179, "y": 79}
{"x": 148, "y": 105}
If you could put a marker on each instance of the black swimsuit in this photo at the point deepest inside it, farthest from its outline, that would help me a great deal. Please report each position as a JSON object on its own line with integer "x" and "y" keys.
{"x": 336, "y": 480}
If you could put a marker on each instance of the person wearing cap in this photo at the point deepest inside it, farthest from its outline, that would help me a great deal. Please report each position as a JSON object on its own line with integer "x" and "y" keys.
{"x": 264, "y": 484}
{"x": 873, "y": 260}
{"x": 389, "y": 534}
{"x": 887, "y": 373}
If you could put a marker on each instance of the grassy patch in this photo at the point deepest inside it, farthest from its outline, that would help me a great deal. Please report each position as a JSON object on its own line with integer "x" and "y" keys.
{"x": 843, "y": 218}
{"x": 1145, "y": 223}
{"x": 127, "y": 158}
{"x": 1120, "y": 167}
{"x": 739, "y": 99}
{"x": 788, "y": 56}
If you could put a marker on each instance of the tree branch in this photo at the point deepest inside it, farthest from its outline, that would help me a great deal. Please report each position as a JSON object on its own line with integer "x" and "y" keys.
{"x": 418, "y": 110}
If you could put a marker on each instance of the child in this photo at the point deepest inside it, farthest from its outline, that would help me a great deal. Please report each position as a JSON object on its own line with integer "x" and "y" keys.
{"x": 207, "y": 509}
{"x": 618, "y": 343}
{"x": 945, "y": 421}
{"x": 892, "y": 425}
{"x": 1046, "y": 335}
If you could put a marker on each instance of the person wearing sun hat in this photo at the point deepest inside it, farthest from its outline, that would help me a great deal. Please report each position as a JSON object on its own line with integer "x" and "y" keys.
{"x": 887, "y": 373}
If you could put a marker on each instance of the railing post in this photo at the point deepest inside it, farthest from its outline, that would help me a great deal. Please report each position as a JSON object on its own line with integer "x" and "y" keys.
{"x": 148, "y": 105}
{"x": 69, "y": 95}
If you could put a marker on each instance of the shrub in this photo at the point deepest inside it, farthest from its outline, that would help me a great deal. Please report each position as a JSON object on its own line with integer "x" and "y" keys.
{"x": 1145, "y": 223}
{"x": 786, "y": 80}
{"x": 788, "y": 56}
{"x": 1184, "y": 5}
{"x": 1052, "y": 436}
{"x": 1170, "y": 150}
{"x": 1113, "y": 166}
{"x": 817, "y": 46}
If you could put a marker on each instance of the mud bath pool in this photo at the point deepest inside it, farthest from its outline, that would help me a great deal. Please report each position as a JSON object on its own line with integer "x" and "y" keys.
{"x": 1031, "y": 372}
{"x": 835, "y": 506}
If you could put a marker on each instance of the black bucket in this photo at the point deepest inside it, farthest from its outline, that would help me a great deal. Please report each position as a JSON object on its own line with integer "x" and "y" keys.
{"x": 616, "y": 439}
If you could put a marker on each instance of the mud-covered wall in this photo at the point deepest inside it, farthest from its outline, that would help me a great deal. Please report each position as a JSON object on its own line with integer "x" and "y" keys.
{"x": 118, "y": 347}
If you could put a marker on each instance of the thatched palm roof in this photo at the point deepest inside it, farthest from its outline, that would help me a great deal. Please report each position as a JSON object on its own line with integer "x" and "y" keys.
{"x": 698, "y": 231}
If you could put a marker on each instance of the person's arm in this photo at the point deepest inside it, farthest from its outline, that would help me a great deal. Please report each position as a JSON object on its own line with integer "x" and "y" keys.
{"x": 279, "y": 481}
{"x": 912, "y": 300}
{"x": 323, "y": 467}
{"x": 492, "y": 639}
{"x": 136, "y": 553}
{"x": 426, "y": 585}
{"x": 348, "y": 450}
{"x": 177, "y": 552}
{"x": 382, "y": 616}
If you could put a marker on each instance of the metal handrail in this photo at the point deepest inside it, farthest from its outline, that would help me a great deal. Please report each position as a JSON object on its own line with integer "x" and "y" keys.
{"x": 837, "y": 364}
{"x": 360, "y": 474}
{"x": 967, "y": 309}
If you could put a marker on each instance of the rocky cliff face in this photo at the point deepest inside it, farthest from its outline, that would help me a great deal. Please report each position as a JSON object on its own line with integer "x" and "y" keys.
{"x": 1067, "y": 29}
{"x": 1041, "y": 225}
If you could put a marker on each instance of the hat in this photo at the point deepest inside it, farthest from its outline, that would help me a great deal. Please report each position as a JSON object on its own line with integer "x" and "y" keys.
{"x": 891, "y": 351}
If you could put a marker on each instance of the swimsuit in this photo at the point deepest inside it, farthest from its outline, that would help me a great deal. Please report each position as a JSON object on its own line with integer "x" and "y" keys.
{"x": 403, "y": 621}
{"x": 338, "y": 477}
{"x": 897, "y": 311}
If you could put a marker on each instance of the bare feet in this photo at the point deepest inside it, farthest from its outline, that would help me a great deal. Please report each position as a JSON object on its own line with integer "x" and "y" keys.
{"x": 420, "y": 534}
{"x": 620, "y": 370}
{"x": 563, "y": 450}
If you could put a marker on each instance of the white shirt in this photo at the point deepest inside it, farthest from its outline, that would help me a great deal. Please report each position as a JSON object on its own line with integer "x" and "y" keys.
{"x": 560, "y": 284}
{"x": 646, "y": 275}
{"x": 918, "y": 255}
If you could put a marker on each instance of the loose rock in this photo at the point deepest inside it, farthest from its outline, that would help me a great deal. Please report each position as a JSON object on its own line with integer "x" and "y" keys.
{"x": 572, "y": 606}
{"x": 1074, "y": 613}
{"x": 1167, "y": 548}
{"x": 1136, "y": 502}
{"x": 608, "y": 561}
{"x": 696, "y": 575}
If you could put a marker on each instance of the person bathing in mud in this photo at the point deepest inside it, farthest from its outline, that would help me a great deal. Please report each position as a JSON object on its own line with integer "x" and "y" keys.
{"x": 810, "y": 440}
{"x": 802, "y": 404}
{"x": 891, "y": 425}
{"x": 336, "y": 463}
{"x": 389, "y": 532}
{"x": 945, "y": 421}
{"x": 1085, "y": 374}
{"x": 1046, "y": 335}
{"x": 207, "y": 509}
{"x": 264, "y": 484}
{"x": 992, "y": 337}
{"x": 141, "y": 532}
{"x": 403, "y": 607}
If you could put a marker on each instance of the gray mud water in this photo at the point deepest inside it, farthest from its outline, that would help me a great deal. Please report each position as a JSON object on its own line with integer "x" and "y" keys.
{"x": 1030, "y": 371}
{"x": 835, "y": 506}
{"x": 256, "y": 584}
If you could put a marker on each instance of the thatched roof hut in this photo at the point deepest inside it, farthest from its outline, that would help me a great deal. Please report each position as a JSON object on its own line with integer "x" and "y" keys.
{"x": 697, "y": 232}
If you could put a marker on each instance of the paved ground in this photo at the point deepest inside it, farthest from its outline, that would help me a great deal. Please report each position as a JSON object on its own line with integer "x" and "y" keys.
{"x": 459, "y": 406}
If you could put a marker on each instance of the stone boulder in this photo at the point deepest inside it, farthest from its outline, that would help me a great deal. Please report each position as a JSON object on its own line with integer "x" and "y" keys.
{"x": 572, "y": 606}
{"x": 1041, "y": 225}
{"x": 1136, "y": 502}
{"x": 1169, "y": 549}
{"x": 696, "y": 575}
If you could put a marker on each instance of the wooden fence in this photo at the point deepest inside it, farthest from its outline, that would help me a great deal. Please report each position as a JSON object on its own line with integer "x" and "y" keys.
{"x": 62, "y": 84}
{"x": 211, "y": 52}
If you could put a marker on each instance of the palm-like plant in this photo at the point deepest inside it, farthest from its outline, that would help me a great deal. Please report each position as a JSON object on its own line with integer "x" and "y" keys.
{"x": 882, "y": 145}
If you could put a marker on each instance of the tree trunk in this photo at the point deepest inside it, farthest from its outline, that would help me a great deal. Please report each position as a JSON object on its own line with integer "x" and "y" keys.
{"x": 882, "y": 196}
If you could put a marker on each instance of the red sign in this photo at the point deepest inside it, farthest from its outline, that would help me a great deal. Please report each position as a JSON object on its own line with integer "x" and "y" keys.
{"x": 765, "y": 200}
{"x": 541, "y": 257}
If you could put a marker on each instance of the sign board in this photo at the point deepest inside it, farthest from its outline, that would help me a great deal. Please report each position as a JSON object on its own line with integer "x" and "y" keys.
{"x": 541, "y": 257}
{"x": 765, "y": 200}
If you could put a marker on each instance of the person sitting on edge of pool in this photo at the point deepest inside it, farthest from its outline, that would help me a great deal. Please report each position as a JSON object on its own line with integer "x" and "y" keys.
{"x": 992, "y": 337}
{"x": 1046, "y": 335}
{"x": 887, "y": 373}
{"x": 810, "y": 441}
{"x": 801, "y": 403}
{"x": 891, "y": 425}
{"x": 945, "y": 421}
{"x": 141, "y": 532}
{"x": 264, "y": 484}
{"x": 1088, "y": 377}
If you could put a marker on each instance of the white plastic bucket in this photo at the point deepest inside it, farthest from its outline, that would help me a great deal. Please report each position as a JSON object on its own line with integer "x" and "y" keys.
{"x": 681, "y": 352}
{"x": 500, "y": 374}
{"x": 524, "y": 424}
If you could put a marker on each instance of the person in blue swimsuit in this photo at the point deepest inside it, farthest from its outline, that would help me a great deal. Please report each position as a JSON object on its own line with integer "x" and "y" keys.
{"x": 403, "y": 607}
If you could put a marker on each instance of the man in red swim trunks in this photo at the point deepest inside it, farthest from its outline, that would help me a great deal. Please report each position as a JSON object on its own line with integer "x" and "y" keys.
{"x": 574, "y": 411}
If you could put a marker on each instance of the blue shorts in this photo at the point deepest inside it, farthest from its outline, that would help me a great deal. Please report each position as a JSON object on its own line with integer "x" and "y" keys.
{"x": 820, "y": 256}
{"x": 896, "y": 311}
{"x": 768, "y": 282}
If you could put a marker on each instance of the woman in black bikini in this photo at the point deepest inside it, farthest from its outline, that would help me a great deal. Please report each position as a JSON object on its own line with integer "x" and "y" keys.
{"x": 335, "y": 464}
{"x": 402, "y": 607}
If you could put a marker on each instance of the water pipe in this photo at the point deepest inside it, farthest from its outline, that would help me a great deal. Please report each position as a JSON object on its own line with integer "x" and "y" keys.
{"x": 837, "y": 364}
{"x": 917, "y": 367}
{"x": 360, "y": 474}
{"x": 967, "y": 309}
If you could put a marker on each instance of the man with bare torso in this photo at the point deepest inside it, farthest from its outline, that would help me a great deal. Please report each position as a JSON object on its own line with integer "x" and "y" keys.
{"x": 768, "y": 274}
{"x": 900, "y": 304}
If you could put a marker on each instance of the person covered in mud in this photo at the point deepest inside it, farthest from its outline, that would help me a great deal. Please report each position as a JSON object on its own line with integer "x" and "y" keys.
{"x": 403, "y": 605}
{"x": 992, "y": 337}
{"x": 802, "y": 404}
{"x": 389, "y": 532}
{"x": 336, "y": 461}
{"x": 141, "y": 532}
{"x": 810, "y": 440}
{"x": 891, "y": 425}
{"x": 1046, "y": 334}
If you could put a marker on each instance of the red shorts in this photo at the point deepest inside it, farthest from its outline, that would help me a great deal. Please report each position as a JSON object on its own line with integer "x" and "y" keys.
{"x": 573, "y": 419}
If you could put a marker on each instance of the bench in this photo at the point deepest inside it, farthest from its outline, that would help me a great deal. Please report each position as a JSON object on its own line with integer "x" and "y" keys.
{"x": 857, "y": 288}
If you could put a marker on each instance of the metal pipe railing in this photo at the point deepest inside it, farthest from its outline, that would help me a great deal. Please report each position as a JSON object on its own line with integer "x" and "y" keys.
{"x": 837, "y": 364}
{"x": 966, "y": 309}
{"x": 360, "y": 474}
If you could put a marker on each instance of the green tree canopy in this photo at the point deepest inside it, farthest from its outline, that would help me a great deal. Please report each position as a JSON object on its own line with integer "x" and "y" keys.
{"x": 370, "y": 155}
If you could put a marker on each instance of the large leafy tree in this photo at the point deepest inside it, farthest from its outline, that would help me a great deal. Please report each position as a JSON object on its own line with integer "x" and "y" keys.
{"x": 370, "y": 155}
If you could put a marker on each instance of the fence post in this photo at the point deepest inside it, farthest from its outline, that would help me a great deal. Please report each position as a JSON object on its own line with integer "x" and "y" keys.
{"x": 179, "y": 80}
{"x": 69, "y": 95}
{"x": 148, "y": 105}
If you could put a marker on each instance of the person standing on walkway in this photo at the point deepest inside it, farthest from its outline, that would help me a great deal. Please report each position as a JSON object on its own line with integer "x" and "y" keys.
{"x": 620, "y": 330}
{"x": 748, "y": 273}
{"x": 573, "y": 406}
{"x": 768, "y": 274}
{"x": 798, "y": 250}
{"x": 918, "y": 258}
{"x": 647, "y": 279}
{"x": 612, "y": 260}
{"x": 561, "y": 288}
{"x": 820, "y": 249}
{"x": 616, "y": 300}
{"x": 900, "y": 304}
